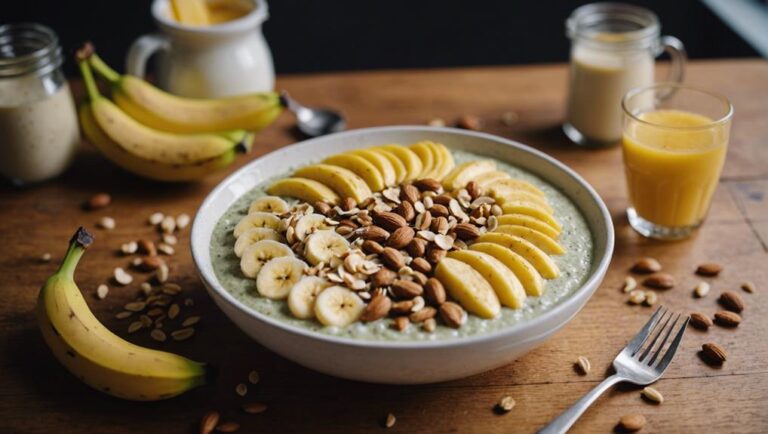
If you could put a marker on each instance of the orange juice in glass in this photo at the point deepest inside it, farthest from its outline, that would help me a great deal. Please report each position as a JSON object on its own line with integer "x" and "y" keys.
{"x": 674, "y": 144}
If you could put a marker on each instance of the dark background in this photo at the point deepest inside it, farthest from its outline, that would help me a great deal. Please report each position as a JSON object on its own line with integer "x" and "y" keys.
{"x": 329, "y": 35}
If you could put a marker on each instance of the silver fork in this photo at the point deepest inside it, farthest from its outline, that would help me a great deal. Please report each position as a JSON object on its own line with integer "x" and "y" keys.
{"x": 636, "y": 363}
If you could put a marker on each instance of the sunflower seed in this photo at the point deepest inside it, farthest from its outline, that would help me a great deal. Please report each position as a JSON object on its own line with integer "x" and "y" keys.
{"x": 190, "y": 321}
{"x": 158, "y": 335}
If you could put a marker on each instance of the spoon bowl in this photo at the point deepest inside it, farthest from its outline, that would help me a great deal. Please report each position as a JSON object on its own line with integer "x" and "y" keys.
{"x": 314, "y": 121}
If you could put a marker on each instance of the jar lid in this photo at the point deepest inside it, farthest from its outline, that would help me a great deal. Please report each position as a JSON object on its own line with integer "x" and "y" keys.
{"x": 27, "y": 48}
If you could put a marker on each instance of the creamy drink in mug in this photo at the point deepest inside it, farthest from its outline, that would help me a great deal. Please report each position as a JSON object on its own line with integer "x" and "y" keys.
{"x": 613, "y": 51}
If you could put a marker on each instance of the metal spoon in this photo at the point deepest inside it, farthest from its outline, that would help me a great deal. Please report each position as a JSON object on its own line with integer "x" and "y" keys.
{"x": 314, "y": 121}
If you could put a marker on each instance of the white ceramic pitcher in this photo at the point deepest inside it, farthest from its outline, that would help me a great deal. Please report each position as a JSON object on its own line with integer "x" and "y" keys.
{"x": 230, "y": 58}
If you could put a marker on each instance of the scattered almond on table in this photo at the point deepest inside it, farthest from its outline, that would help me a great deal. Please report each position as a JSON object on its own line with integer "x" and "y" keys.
{"x": 583, "y": 365}
{"x": 652, "y": 395}
{"x": 632, "y": 422}
{"x": 389, "y": 420}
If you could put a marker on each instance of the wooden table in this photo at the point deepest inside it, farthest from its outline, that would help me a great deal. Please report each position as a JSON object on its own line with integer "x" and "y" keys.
{"x": 39, "y": 396}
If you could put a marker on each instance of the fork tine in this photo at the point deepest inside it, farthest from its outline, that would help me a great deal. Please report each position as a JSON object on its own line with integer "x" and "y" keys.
{"x": 664, "y": 341}
{"x": 657, "y": 331}
{"x": 634, "y": 345}
{"x": 664, "y": 362}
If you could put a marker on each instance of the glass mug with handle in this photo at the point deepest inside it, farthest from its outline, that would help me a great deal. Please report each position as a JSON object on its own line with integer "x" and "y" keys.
{"x": 613, "y": 50}
{"x": 674, "y": 145}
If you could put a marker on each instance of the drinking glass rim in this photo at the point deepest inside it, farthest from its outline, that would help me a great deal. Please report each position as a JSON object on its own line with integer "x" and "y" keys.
{"x": 678, "y": 86}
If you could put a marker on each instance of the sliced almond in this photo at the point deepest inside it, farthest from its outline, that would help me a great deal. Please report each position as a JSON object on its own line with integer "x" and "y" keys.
{"x": 583, "y": 364}
{"x": 122, "y": 277}
{"x": 629, "y": 284}
{"x": 701, "y": 290}
{"x": 506, "y": 404}
{"x": 102, "y": 291}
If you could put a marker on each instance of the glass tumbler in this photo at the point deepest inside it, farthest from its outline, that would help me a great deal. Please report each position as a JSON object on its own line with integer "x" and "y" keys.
{"x": 674, "y": 145}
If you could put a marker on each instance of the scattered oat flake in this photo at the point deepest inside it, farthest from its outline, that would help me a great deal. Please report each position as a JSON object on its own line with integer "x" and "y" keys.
{"x": 102, "y": 291}
{"x": 123, "y": 315}
{"x": 253, "y": 377}
{"x": 135, "y": 326}
{"x": 254, "y": 407}
{"x": 227, "y": 427}
{"x": 190, "y": 321}
{"x": 135, "y": 306}
{"x": 173, "y": 311}
{"x": 241, "y": 389}
{"x": 390, "y": 420}
{"x": 158, "y": 335}
{"x": 506, "y": 404}
{"x": 182, "y": 334}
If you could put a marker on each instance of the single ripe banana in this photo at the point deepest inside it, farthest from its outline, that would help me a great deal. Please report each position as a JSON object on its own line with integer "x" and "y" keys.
{"x": 338, "y": 306}
{"x": 308, "y": 224}
{"x": 166, "y": 112}
{"x": 271, "y": 204}
{"x": 301, "y": 299}
{"x": 321, "y": 246}
{"x": 253, "y": 236}
{"x": 255, "y": 256}
{"x": 278, "y": 276}
{"x": 94, "y": 354}
{"x": 257, "y": 220}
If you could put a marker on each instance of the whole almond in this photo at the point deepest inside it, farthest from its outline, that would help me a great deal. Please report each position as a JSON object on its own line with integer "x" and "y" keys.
{"x": 700, "y": 321}
{"x": 443, "y": 199}
{"x": 229, "y": 426}
{"x": 659, "y": 281}
{"x": 401, "y": 323}
{"x": 435, "y": 255}
{"x": 452, "y": 314}
{"x": 392, "y": 258}
{"x": 473, "y": 189}
{"x": 419, "y": 277}
{"x": 417, "y": 247}
{"x": 440, "y": 225}
{"x": 421, "y": 264}
{"x": 348, "y": 203}
{"x": 389, "y": 220}
{"x": 209, "y": 422}
{"x": 632, "y": 422}
{"x": 646, "y": 266}
{"x": 405, "y": 209}
{"x": 403, "y": 306}
{"x": 378, "y": 308}
{"x": 423, "y": 314}
{"x": 401, "y": 237}
{"x": 710, "y": 269}
{"x": 147, "y": 247}
{"x": 748, "y": 286}
{"x": 149, "y": 263}
{"x": 732, "y": 301}
{"x": 372, "y": 247}
{"x": 409, "y": 193}
{"x": 323, "y": 208}
{"x": 438, "y": 210}
{"x": 375, "y": 233}
{"x": 406, "y": 288}
{"x": 434, "y": 291}
{"x": 383, "y": 277}
{"x": 727, "y": 318}
{"x": 466, "y": 231}
{"x": 428, "y": 184}
{"x": 423, "y": 221}
{"x": 348, "y": 222}
{"x": 98, "y": 201}
{"x": 469, "y": 122}
{"x": 714, "y": 353}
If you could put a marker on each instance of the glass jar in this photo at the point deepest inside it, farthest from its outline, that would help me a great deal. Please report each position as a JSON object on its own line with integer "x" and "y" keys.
{"x": 613, "y": 50}
{"x": 38, "y": 121}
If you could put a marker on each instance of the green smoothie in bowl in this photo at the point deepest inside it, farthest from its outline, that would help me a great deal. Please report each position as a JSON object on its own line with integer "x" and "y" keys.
{"x": 416, "y": 243}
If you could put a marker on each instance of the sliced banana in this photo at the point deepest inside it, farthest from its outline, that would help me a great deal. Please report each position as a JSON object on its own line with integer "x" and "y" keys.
{"x": 257, "y": 220}
{"x": 410, "y": 160}
{"x": 301, "y": 299}
{"x": 278, "y": 276}
{"x": 465, "y": 172}
{"x": 271, "y": 204}
{"x": 323, "y": 245}
{"x": 255, "y": 256}
{"x": 305, "y": 189}
{"x": 253, "y": 236}
{"x": 308, "y": 224}
{"x": 338, "y": 306}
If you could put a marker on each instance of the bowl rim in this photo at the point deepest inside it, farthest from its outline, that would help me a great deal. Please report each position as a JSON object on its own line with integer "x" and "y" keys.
{"x": 586, "y": 288}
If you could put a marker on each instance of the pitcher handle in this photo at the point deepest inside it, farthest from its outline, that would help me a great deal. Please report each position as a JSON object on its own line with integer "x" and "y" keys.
{"x": 674, "y": 47}
{"x": 141, "y": 50}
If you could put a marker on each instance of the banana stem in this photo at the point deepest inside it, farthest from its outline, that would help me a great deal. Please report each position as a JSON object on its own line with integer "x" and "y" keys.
{"x": 77, "y": 245}
{"x": 103, "y": 69}
{"x": 90, "y": 82}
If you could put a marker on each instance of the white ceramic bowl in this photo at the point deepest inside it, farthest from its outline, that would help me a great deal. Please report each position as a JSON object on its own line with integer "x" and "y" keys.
{"x": 402, "y": 362}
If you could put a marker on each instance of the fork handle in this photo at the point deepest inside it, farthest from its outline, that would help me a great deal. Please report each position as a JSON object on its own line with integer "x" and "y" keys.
{"x": 567, "y": 418}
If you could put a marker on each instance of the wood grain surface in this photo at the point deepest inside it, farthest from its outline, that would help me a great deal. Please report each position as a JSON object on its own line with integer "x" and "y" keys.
{"x": 38, "y": 396}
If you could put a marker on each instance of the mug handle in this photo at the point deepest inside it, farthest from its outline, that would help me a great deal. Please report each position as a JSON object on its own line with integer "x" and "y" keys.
{"x": 141, "y": 50}
{"x": 674, "y": 47}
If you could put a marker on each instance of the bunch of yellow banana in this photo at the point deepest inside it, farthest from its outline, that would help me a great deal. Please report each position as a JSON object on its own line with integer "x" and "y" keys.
{"x": 95, "y": 355}
{"x": 161, "y": 136}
